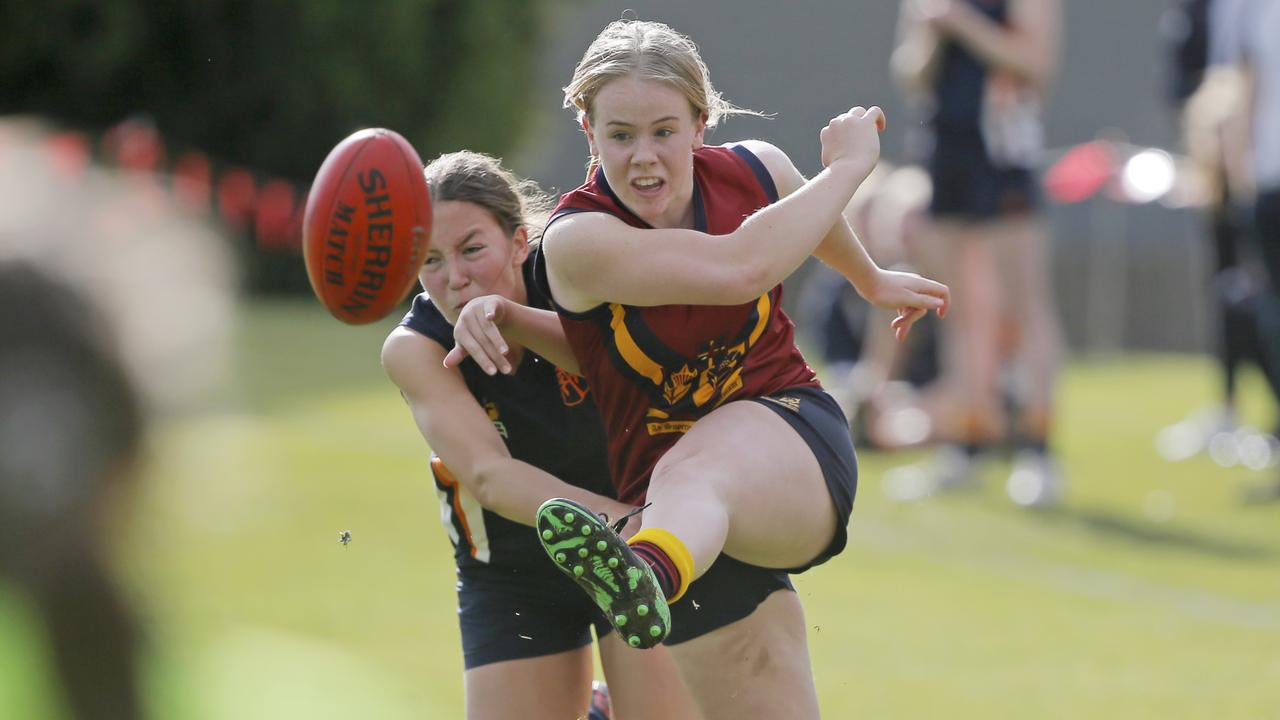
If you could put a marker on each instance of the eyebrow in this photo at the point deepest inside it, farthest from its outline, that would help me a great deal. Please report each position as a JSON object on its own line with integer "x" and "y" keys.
{"x": 659, "y": 121}
{"x": 466, "y": 237}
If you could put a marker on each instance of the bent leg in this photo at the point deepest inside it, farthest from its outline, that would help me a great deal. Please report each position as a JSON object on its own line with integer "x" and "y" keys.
{"x": 744, "y": 482}
{"x": 551, "y": 687}
{"x": 757, "y": 667}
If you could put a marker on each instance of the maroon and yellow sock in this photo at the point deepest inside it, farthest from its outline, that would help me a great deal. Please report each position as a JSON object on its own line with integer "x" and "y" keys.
{"x": 671, "y": 561}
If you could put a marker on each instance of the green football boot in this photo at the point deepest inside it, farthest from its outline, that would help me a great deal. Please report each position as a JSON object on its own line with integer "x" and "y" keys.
{"x": 601, "y": 562}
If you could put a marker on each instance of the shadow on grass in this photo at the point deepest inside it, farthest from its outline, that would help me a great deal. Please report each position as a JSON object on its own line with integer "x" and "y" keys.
{"x": 1137, "y": 531}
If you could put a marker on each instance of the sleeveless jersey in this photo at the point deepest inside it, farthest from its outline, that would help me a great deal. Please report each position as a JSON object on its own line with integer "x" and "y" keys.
{"x": 545, "y": 416}
{"x": 980, "y": 112}
{"x": 656, "y": 370}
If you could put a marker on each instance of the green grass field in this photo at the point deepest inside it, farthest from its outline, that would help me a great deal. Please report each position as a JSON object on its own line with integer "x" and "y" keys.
{"x": 960, "y": 606}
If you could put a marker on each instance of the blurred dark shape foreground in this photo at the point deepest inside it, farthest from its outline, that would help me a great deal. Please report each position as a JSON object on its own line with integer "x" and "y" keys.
{"x": 113, "y": 308}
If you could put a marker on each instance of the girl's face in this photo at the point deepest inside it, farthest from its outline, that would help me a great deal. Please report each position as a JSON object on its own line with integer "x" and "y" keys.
{"x": 471, "y": 256}
{"x": 644, "y": 132}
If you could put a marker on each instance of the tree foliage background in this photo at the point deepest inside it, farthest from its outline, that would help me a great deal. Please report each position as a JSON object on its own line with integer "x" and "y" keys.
{"x": 273, "y": 86}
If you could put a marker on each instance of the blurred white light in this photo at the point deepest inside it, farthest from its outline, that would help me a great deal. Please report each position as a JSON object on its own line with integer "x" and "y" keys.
{"x": 1148, "y": 175}
{"x": 1224, "y": 449}
{"x": 1258, "y": 451}
{"x": 905, "y": 427}
{"x": 1179, "y": 442}
{"x": 906, "y": 484}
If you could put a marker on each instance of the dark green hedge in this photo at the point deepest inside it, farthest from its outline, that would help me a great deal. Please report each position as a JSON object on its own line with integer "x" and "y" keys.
{"x": 273, "y": 84}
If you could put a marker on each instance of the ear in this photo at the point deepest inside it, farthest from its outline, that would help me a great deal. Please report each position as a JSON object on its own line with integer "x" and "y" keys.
{"x": 591, "y": 136}
{"x": 699, "y": 130}
{"x": 521, "y": 249}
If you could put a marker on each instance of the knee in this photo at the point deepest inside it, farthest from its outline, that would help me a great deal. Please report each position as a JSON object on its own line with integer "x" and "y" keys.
{"x": 684, "y": 473}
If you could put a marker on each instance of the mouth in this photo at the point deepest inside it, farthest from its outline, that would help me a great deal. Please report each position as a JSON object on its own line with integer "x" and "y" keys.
{"x": 648, "y": 186}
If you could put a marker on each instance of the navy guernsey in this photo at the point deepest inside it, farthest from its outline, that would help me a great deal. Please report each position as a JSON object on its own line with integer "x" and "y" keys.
{"x": 547, "y": 419}
{"x": 961, "y": 84}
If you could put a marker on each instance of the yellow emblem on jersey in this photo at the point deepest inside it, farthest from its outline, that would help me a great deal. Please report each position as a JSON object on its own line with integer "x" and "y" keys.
{"x": 677, "y": 385}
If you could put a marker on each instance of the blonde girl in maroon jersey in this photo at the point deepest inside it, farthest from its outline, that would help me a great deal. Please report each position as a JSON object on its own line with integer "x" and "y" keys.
{"x": 668, "y": 302}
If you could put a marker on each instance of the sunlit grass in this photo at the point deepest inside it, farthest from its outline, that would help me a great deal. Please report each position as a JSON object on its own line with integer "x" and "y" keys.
{"x": 959, "y": 606}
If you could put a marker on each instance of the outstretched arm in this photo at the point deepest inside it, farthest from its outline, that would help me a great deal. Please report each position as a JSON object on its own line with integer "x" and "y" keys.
{"x": 593, "y": 257}
{"x": 460, "y": 432}
{"x": 488, "y": 325}
{"x": 910, "y": 295}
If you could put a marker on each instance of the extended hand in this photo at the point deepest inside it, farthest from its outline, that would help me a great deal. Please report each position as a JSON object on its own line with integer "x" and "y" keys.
{"x": 477, "y": 334}
{"x": 854, "y": 137}
{"x": 910, "y": 295}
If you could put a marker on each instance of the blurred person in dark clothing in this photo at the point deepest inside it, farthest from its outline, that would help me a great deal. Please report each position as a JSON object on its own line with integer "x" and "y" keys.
{"x": 981, "y": 68}
{"x": 103, "y": 323}
{"x": 1246, "y": 39}
{"x": 69, "y": 435}
{"x": 1208, "y": 89}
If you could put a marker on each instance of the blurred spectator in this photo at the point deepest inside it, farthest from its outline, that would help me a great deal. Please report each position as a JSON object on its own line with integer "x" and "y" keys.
{"x": 830, "y": 312}
{"x": 982, "y": 67}
{"x": 874, "y": 377}
{"x": 1208, "y": 88}
{"x": 111, "y": 308}
{"x": 1246, "y": 38}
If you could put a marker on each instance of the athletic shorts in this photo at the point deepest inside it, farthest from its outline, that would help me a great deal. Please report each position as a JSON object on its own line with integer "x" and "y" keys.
{"x": 821, "y": 423}
{"x": 971, "y": 188}
{"x": 727, "y": 592}
{"x": 731, "y": 589}
{"x": 513, "y": 614}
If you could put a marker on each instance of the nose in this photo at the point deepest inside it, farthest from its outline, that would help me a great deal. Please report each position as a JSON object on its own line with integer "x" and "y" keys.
{"x": 458, "y": 277}
{"x": 645, "y": 152}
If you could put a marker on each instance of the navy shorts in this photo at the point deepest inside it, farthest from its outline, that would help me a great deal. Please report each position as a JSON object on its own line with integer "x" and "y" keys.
{"x": 727, "y": 592}
{"x": 513, "y": 614}
{"x": 821, "y": 423}
{"x": 970, "y": 187}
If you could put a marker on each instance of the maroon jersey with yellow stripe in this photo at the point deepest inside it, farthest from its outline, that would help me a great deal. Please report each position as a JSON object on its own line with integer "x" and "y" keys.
{"x": 656, "y": 370}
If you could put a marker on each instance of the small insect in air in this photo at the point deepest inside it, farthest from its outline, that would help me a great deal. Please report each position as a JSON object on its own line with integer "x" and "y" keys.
{"x": 344, "y": 537}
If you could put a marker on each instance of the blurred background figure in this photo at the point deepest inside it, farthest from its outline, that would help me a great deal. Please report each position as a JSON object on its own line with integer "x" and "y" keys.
{"x": 980, "y": 69}
{"x": 1209, "y": 89}
{"x": 876, "y": 379}
{"x": 112, "y": 308}
{"x": 1243, "y": 34}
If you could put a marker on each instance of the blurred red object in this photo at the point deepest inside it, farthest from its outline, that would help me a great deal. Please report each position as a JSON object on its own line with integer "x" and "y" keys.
{"x": 192, "y": 180}
{"x": 135, "y": 144}
{"x": 277, "y": 219}
{"x": 1081, "y": 172}
{"x": 69, "y": 153}
{"x": 237, "y": 195}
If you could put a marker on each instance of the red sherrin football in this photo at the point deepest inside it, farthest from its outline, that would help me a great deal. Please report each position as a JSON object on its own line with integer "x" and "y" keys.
{"x": 366, "y": 227}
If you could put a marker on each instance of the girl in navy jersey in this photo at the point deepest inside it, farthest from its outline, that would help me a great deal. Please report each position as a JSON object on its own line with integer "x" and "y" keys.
{"x": 982, "y": 67}
{"x": 665, "y": 268}
{"x": 502, "y": 446}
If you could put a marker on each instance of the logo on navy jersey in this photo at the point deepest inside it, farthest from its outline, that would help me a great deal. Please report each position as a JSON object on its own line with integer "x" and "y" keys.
{"x": 492, "y": 411}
